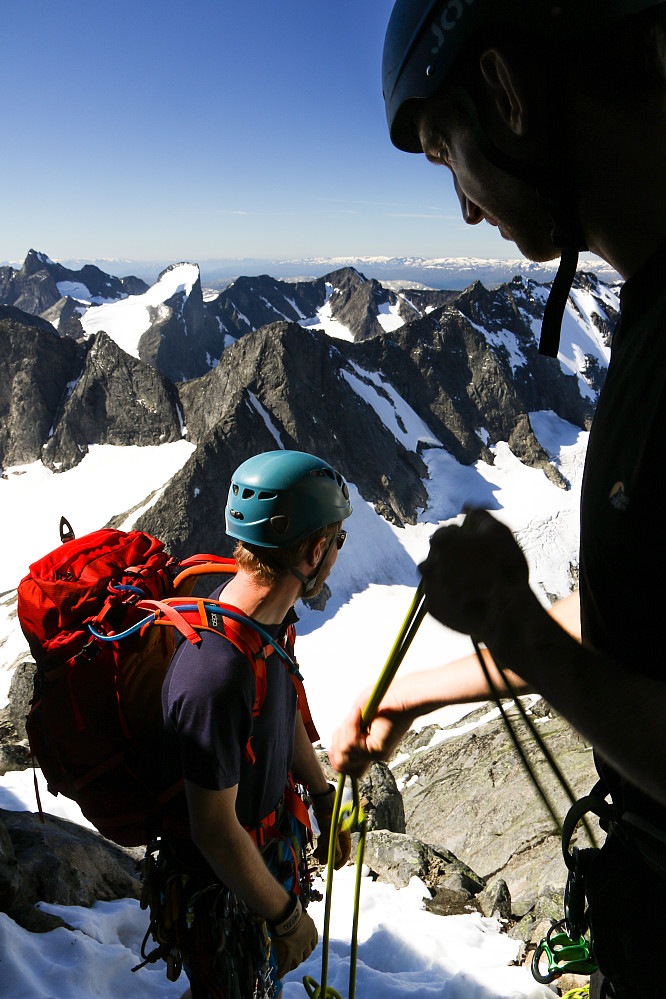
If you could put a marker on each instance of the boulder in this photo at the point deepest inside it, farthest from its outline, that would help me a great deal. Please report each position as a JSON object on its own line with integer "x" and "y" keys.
{"x": 381, "y": 799}
{"x": 20, "y": 696}
{"x": 59, "y": 861}
{"x": 495, "y": 899}
{"x": 397, "y": 857}
{"x": 9, "y": 870}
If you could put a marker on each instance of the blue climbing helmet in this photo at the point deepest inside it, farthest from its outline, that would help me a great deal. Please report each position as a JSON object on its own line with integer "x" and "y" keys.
{"x": 425, "y": 37}
{"x": 278, "y": 498}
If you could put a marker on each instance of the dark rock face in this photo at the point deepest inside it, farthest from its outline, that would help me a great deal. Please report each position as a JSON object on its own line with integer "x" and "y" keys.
{"x": 28, "y": 290}
{"x": 20, "y": 696}
{"x": 36, "y": 368}
{"x": 355, "y": 302}
{"x": 415, "y": 303}
{"x": 381, "y": 799}
{"x": 290, "y": 379}
{"x": 252, "y": 302}
{"x": 187, "y": 341}
{"x": 117, "y": 400}
{"x": 59, "y": 861}
{"x": 65, "y": 317}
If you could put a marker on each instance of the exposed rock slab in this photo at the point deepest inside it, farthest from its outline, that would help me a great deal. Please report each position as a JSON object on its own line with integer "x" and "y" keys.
{"x": 472, "y": 797}
{"x": 36, "y": 369}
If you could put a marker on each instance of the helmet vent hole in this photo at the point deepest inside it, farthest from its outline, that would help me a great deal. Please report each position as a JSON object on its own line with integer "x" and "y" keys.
{"x": 266, "y": 496}
{"x": 247, "y": 494}
{"x": 280, "y": 523}
{"x": 235, "y": 489}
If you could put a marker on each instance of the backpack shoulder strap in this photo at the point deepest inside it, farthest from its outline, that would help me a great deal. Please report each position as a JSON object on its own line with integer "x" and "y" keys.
{"x": 200, "y": 565}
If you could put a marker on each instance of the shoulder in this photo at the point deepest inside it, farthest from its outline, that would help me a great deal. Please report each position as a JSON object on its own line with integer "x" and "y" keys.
{"x": 212, "y": 668}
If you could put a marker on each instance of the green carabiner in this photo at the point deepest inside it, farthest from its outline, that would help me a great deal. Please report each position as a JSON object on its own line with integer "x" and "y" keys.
{"x": 564, "y": 954}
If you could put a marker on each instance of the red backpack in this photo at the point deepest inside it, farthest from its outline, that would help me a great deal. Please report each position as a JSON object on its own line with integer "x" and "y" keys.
{"x": 90, "y": 611}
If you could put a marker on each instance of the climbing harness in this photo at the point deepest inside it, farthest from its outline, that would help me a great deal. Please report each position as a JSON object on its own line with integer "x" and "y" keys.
{"x": 351, "y": 815}
{"x": 204, "y": 928}
{"x": 199, "y": 925}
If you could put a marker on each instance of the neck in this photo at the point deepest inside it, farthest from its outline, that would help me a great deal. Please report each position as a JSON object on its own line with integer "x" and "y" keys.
{"x": 620, "y": 179}
{"x": 266, "y": 604}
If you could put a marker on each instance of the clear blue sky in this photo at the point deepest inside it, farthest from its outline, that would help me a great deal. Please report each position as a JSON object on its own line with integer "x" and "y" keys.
{"x": 212, "y": 128}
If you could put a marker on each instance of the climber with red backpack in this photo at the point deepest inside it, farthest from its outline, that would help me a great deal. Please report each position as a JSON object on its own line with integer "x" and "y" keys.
{"x": 238, "y": 876}
{"x": 204, "y": 755}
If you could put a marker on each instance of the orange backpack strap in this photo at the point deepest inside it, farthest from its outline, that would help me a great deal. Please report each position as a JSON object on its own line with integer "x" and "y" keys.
{"x": 304, "y": 710}
{"x": 200, "y": 565}
{"x": 303, "y": 706}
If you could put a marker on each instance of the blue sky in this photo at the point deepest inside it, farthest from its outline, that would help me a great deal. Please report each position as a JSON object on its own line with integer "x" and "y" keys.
{"x": 236, "y": 128}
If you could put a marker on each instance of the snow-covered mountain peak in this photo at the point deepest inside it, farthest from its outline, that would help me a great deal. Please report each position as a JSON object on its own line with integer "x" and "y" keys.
{"x": 127, "y": 320}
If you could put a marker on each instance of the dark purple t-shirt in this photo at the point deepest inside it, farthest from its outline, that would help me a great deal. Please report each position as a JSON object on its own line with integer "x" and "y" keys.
{"x": 207, "y": 700}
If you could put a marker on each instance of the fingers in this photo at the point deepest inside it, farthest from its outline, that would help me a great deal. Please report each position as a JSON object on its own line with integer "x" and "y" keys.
{"x": 348, "y": 752}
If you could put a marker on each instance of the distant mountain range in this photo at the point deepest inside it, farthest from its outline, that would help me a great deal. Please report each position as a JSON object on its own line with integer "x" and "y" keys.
{"x": 442, "y": 272}
{"x": 366, "y": 376}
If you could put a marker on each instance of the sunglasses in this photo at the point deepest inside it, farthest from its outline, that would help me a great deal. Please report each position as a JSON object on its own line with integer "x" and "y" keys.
{"x": 340, "y": 539}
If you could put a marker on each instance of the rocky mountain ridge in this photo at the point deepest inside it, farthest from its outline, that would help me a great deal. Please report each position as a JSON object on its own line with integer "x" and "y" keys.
{"x": 183, "y": 333}
{"x": 44, "y": 287}
{"x": 460, "y": 372}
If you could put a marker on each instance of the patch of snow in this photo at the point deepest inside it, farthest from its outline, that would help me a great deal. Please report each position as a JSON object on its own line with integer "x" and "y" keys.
{"x": 389, "y": 317}
{"x": 403, "y": 949}
{"x": 267, "y": 419}
{"x": 331, "y": 326}
{"x": 108, "y": 480}
{"x": 397, "y": 415}
{"x": 126, "y": 320}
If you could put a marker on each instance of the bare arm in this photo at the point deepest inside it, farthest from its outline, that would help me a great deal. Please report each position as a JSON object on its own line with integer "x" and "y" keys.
{"x": 461, "y": 682}
{"x": 230, "y": 852}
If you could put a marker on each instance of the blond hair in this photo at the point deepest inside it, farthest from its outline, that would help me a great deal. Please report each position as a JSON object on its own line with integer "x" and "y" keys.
{"x": 269, "y": 565}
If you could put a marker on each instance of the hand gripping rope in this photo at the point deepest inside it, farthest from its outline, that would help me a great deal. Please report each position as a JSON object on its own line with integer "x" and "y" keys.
{"x": 351, "y": 815}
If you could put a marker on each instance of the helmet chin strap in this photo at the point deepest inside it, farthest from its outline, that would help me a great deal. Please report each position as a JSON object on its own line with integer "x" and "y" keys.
{"x": 310, "y": 582}
{"x": 557, "y": 197}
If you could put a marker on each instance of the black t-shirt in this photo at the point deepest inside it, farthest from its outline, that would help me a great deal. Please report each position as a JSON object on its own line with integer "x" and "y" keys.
{"x": 622, "y": 584}
{"x": 207, "y": 700}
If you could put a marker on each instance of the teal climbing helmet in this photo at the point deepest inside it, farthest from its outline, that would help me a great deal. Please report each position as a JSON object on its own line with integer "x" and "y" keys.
{"x": 280, "y": 497}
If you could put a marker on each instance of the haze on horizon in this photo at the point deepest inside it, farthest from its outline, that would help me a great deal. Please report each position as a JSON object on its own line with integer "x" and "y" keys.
{"x": 212, "y": 131}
